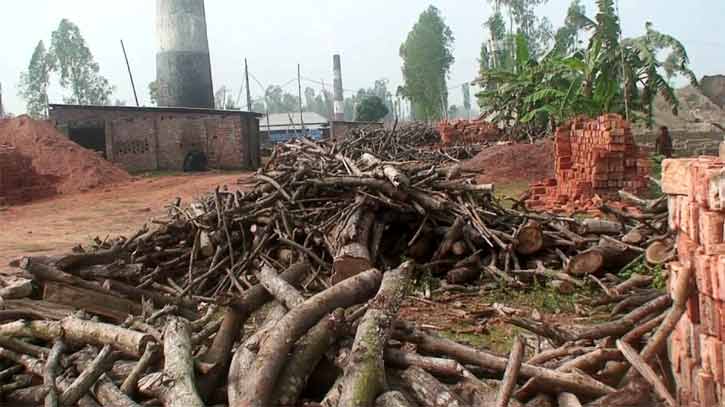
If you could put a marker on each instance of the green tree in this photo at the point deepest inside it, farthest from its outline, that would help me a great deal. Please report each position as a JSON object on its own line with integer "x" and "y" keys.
{"x": 566, "y": 39}
{"x": 371, "y": 109}
{"x": 154, "y": 93}
{"x": 78, "y": 70}
{"x": 279, "y": 101}
{"x": 427, "y": 58}
{"x": 35, "y": 81}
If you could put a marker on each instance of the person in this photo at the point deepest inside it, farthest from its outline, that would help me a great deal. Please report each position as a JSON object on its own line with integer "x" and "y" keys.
{"x": 664, "y": 143}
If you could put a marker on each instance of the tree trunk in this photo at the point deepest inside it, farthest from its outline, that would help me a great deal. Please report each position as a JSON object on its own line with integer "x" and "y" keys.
{"x": 427, "y": 390}
{"x": 306, "y": 354}
{"x": 392, "y": 399}
{"x": 272, "y": 355}
{"x": 511, "y": 374}
{"x": 606, "y": 255}
{"x": 178, "y": 387}
{"x": 529, "y": 239}
{"x": 365, "y": 374}
{"x": 76, "y": 330}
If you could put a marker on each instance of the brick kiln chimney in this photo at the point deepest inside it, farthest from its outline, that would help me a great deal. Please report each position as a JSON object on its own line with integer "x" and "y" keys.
{"x": 339, "y": 103}
{"x": 183, "y": 67}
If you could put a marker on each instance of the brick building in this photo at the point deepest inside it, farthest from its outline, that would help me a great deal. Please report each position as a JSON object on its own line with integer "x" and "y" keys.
{"x": 163, "y": 138}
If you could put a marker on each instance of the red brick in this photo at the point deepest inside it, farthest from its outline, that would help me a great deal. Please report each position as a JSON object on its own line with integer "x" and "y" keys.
{"x": 703, "y": 266}
{"x": 676, "y": 176}
{"x": 706, "y": 390}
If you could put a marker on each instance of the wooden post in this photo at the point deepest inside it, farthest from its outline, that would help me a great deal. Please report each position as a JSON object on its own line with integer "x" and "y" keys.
{"x": 128, "y": 66}
{"x": 299, "y": 88}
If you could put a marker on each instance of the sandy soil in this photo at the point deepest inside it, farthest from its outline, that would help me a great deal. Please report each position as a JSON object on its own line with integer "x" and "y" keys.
{"x": 56, "y": 225}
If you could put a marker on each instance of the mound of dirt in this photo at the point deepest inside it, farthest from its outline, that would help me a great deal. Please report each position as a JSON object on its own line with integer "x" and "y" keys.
{"x": 501, "y": 163}
{"x": 71, "y": 167}
{"x": 696, "y": 111}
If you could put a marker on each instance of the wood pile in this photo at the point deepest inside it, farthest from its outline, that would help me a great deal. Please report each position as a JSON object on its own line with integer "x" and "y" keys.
{"x": 468, "y": 131}
{"x": 697, "y": 213}
{"x": 593, "y": 158}
{"x": 407, "y": 142}
{"x": 277, "y": 296}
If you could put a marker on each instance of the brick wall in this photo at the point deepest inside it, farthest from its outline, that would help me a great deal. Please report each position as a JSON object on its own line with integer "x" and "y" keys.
{"x": 159, "y": 139}
{"x": 593, "y": 158}
{"x": 696, "y": 196}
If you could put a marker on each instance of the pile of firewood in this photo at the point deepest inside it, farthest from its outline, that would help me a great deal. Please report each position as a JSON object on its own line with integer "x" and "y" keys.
{"x": 277, "y": 295}
{"x": 415, "y": 141}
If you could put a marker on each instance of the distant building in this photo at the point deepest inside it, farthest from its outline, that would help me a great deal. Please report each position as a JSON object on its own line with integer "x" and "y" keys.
{"x": 281, "y": 127}
{"x": 164, "y": 138}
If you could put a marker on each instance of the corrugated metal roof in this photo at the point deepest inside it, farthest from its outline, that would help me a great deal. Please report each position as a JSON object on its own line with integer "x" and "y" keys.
{"x": 292, "y": 120}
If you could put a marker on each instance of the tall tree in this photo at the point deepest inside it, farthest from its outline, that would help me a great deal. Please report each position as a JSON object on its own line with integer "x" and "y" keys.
{"x": 78, "y": 70}
{"x": 566, "y": 40}
{"x": 427, "y": 59}
{"x": 34, "y": 82}
{"x": 371, "y": 109}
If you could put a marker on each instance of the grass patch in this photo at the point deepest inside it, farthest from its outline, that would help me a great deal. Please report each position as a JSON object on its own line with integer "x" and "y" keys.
{"x": 542, "y": 298}
{"x": 658, "y": 272}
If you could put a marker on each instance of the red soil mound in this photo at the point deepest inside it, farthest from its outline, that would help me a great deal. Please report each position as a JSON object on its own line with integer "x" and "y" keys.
{"x": 55, "y": 158}
{"x": 513, "y": 162}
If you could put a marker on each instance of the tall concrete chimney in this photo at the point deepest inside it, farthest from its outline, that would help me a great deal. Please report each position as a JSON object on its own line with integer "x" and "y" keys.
{"x": 183, "y": 66}
{"x": 339, "y": 100}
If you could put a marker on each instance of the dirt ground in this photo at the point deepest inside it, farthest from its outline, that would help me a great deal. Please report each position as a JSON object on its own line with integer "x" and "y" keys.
{"x": 58, "y": 224}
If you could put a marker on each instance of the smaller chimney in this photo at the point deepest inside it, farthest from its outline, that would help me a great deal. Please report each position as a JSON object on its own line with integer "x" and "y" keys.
{"x": 339, "y": 101}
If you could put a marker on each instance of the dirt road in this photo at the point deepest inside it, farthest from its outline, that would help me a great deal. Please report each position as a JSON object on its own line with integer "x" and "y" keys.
{"x": 56, "y": 225}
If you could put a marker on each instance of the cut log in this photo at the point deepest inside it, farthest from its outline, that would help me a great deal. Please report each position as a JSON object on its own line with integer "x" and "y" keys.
{"x": 109, "y": 306}
{"x": 219, "y": 355}
{"x": 392, "y": 399}
{"x": 352, "y": 239}
{"x": 427, "y": 390}
{"x": 365, "y": 374}
{"x": 432, "y": 365}
{"x": 529, "y": 239}
{"x": 568, "y": 400}
{"x": 306, "y": 355}
{"x": 601, "y": 226}
{"x": 660, "y": 252}
{"x": 130, "y": 384}
{"x": 511, "y": 373}
{"x": 607, "y": 255}
{"x": 178, "y": 386}
{"x": 272, "y": 355}
{"x": 463, "y": 275}
{"x": 81, "y": 331}
{"x": 17, "y": 289}
{"x": 52, "y": 369}
{"x": 90, "y": 373}
{"x": 246, "y": 354}
{"x": 283, "y": 291}
{"x": 647, "y": 372}
{"x": 453, "y": 234}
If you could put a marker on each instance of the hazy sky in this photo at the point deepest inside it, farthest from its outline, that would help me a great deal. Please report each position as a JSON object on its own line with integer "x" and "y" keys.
{"x": 275, "y": 35}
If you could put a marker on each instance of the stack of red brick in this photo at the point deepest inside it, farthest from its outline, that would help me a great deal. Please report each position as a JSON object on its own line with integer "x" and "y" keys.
{"x": 467, "y": 131}
{"x": 594, "y": 159}
{"x": 18, "y": 180}
{"x": 696, "y": 193}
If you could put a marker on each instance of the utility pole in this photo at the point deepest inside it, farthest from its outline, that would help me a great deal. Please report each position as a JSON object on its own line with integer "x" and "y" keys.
{"x": 246, "y": 81}
{"x": 299, "y": 92}
{"x": 130, "y": 75}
